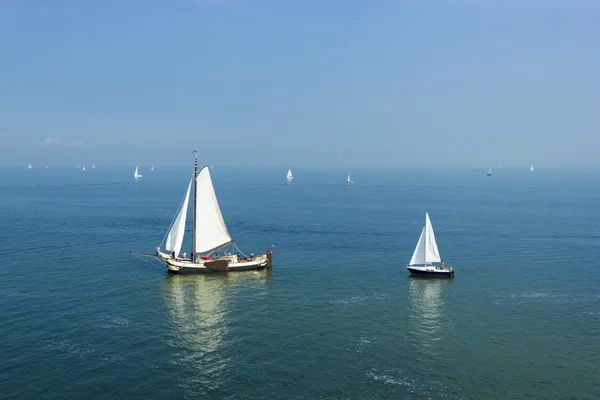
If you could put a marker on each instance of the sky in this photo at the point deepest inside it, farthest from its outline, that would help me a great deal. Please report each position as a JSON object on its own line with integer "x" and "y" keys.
{"x": 300, "y": 82}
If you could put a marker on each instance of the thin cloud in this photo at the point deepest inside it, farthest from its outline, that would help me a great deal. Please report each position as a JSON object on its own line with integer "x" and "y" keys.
{"x": 75, "y": 143}
{"x": 49, "y": 142}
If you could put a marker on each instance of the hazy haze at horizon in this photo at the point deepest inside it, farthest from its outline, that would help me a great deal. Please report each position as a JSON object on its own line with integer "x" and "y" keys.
{"x": 300, "y": 83}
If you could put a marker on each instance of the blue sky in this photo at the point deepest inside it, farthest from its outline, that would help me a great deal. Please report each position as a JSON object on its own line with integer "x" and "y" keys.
{"x": 348, "y": 83}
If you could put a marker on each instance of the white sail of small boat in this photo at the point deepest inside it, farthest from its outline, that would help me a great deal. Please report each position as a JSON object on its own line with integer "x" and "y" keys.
{"x": 531, "y": 168}
{"x": 152, "y": 169}
{"x": 136, "y": 174}
{"x": 489, "y": 173}
{"x": 93, "y": 166}
{"x": 289, "y": 176}
{"x": 426, "y": 258}
{"x": 348, "y": 180}
{"x": 209, "y": 235}
{"x": 83, "y": 169}
{"x": 29, "y": 166}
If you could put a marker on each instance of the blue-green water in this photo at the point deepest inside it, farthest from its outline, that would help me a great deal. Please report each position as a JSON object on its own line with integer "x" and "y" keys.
{"x": 337, "y": 317}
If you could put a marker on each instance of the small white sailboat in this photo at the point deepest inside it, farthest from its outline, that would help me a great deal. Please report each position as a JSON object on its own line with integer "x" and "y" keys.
{"x": 489, "y": 173}
{"x": 93, "y": 166}
{"x": 426, "y": 259}
{"x": 29, "y": 166}
{"x": 46, "y": 167}
{"x": 209, "y": 234}
{"x": 531, "y": 168}
{"x": 289, "y": 175}
{"x": 152, "y": 169}
{"x": 348, "y": 180}
{"x": 83, "y": 169}
{"x": 136, "y": 174}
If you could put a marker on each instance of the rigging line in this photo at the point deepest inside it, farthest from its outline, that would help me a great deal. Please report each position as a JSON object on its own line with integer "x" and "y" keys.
{"x": 146, "y": 260}
{"x": 173, "y": 220}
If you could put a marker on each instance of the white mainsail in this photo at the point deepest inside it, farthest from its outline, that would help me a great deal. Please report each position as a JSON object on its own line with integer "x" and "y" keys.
{"x": 136, "y": 175}
{"x": 426, "y": 251}
{"x": 211, "y": 232}
{"x": 152, "y": 169}
{"x": 83, "y": 169}
{"x": 29, "y": 166}
{"x": 531, "y": 168}
{"x": 490, "y": 170}
{"x": 175, "y": 236}
{"x": 289, "y": 176}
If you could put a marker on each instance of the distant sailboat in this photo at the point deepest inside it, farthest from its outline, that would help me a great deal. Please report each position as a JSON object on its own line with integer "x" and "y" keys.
{"x": 46, "y": 167}
{"x": 426, "y": 253}
{"x": 29, "y": 166}
{"x": 289, "y": 176}
{"x": 136, "y": 174}
{"x": 209, "y": 233}
{"x": 93, "y": 166}
{"x": 531, "y": 168}
{"x": 152, "y": 169}
{"x": 83, "y": 169}
{"x": 348, "y": 180}
{"x": 489, "y": 173}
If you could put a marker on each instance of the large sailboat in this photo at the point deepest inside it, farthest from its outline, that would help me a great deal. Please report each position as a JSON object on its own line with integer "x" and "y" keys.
{"x": 426, "y": 259}
{"x": 136, "y": 174}
{"x": 289, "y": 175}
{"x": 209, "y": 235}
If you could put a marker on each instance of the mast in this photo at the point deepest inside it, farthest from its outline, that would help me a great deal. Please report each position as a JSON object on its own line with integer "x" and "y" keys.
{"x": 425, "y": 249}
{"x": 195, "y": 195}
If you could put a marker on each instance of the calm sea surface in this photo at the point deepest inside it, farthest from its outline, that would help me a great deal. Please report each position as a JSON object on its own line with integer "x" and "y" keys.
{"x": 337, "y": 317}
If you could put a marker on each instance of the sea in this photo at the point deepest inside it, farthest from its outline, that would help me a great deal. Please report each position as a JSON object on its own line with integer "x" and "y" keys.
{"x": 338, "y": 316}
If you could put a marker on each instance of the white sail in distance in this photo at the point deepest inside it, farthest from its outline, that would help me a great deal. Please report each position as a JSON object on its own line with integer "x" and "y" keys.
{"x": 289, "y": 176}
{"x": 211, "y": 231}
{"x": 175, "y": 236}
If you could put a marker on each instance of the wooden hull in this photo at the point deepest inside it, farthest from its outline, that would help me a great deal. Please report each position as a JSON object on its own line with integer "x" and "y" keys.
{"x": 224, "y": 264}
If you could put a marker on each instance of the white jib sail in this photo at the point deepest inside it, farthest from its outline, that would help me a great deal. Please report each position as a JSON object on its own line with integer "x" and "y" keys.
{"x": 211, "y": 232}
{"x": 175, "y": 236}
{"x": 426, "y": 251}
{"x": 289, "y": 174}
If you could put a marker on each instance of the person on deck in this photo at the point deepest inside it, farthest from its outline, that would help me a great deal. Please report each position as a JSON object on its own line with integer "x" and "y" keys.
{"x": 442, "y": 264}
{"x": 157, "y": 250}
{"x": 184, "y": 254}
{"x": 173, "y": 254}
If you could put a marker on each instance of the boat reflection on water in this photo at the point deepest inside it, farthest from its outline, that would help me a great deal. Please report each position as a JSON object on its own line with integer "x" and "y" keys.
{"x": 200, "y": 307}
{"x": 427, "y": 309}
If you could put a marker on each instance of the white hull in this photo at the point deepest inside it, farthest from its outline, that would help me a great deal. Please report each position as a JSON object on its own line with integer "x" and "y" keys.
{"x": 224, "y": 264}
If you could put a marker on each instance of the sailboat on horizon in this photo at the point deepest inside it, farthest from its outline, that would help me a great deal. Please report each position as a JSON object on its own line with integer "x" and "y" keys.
{"x": 136, "y": 174}
{"x": 209, "y": 234}
{"x": 152, "y": 169}
{"x": 489, "y": 173}
{"x": 29, "y": 166}
{"x": 348, "y": 180}
{"x": 83, "y": 169}
{"x": 289, "y": 175}
{"x": 531, "y": 168}
{"x": 426, "y": 259}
